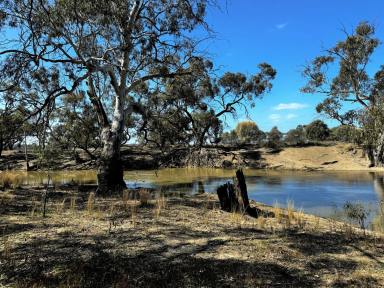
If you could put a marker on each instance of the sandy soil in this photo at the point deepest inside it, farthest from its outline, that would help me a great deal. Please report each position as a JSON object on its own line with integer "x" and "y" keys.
{"x": 176, "y": 242}
{"x": 336, "y": 157}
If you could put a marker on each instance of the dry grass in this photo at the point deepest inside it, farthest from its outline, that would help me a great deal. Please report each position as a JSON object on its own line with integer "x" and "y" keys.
{"x": 144, "y": 196}
{"x": 160, "y": 204}
{"x": 182, "y": 242}
{"x": 91, "y": 203}
{"x": 290, "y": 213}
{"x": 7, "y": 247}
{"x": 10, "y": 180}
{"x": 72, "y": 203}
{"x": 278, "y": 212}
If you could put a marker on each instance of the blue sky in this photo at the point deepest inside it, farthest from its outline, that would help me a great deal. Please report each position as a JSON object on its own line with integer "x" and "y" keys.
{"x": 287, "y": 34}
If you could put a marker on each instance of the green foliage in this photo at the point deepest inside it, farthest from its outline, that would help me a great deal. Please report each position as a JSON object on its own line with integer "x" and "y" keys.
{"x": 76, "y": 126}
{"x": 346, "y": 133}
{"x": 352, "y": 84}
{"x": 296, "y": 136}
{"x": 248, "y": 132}
{"x": 274, "y": 138}
{"x": 230, "y": 138}
{"x": 317, "y": 131}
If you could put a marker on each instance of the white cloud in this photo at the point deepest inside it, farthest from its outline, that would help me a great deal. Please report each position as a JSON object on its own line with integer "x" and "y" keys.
{"x": 291, "y": 116}
{"x": 281, "y": 25}
{"x": 290, "y": 106}
{"x": 275, "y": 117}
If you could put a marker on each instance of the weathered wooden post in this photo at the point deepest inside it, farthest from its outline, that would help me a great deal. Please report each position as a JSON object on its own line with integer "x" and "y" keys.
{"x": 242, "y": 189}
{"x": 229, "y": 196}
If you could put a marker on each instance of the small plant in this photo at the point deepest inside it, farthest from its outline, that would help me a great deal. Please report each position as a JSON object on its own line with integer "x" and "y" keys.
{"x": 300, "y": 219}
{"x": 34, "y": 206}
{"x": 126, "y": 195}
{"x": 10, "y": 180}
{"x": 356, "y": 212}
{"x": 144, "y": 197}
{"x": 161, "y": 203}
{"x": 91, "y": 202}
{"x": 290, "y": 213}
{"x": 277, "y": 212}
{"x": 72, "y": 204}
{"x": 7, "y": 247}
{"x": 261, "y": 222}
{"x": 133, "y": 215}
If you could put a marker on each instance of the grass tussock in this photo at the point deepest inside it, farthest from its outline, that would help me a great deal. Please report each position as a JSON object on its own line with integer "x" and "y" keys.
{"x": 10, "y": 180}
{"x": 160, "y": 204}
{"x": 91, "y": 203}
{"x": 144, "y": 197}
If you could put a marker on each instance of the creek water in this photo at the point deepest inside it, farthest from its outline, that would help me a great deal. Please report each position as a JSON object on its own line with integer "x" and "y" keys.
{"x": 319, "y": 193}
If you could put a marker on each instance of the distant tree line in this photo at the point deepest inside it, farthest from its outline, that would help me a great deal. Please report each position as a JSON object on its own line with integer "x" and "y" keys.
{"x": 247, "y": 132}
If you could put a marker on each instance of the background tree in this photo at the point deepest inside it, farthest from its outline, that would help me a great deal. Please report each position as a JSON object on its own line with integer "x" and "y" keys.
{"x": 230, "y": 138}
{"x": 317, "y": 131}
{"x": 248, "y": 132}
{"x": 346, "y": 133}
{"x": 296, "y": 136}
{"x": 76, "y": 126}
{"x": 274, "y": 138}
{"x": 351, "y": 85}
{"x": 192, "y": 105}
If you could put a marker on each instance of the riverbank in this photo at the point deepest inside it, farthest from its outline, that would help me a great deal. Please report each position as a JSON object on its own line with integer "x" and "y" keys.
{"x": 330, "y": 157}
{"x": 176, "y": 242}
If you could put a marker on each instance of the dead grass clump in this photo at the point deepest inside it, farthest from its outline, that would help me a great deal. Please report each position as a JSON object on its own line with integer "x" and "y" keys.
{"x": 290, "y": 213}
{"x": 35, "y": 205}
{"x": 91, "y": 202}
{"x": 300, "y": 219}
{"x": 278, "y": 213}
{"x": 6, "y": 197}
{"x": 7, "y": 247}
{"x": 133, "y": 215}
{"x": 72, "y": 203}
{"x": 144, "y": 197}
{"x": 10, "y": 180}
{"x": 161, "y": 203}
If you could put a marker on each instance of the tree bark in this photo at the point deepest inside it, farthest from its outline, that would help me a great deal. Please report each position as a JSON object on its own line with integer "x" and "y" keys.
{"x": 375, "y": 153}
{"x": 110, "y": 174}
{"x": 26, "y": 152}
{"x": 379, "y": 152}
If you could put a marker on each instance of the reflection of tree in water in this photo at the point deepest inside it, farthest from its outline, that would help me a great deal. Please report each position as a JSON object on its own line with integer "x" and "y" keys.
{"x": 378, "y": 184}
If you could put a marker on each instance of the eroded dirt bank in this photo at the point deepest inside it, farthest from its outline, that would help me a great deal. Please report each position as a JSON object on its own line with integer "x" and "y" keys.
{"x": 332, "y": 157}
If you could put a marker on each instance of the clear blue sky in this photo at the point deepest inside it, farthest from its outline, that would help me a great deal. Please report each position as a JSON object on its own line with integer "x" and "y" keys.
{"x": 287, "y": 34}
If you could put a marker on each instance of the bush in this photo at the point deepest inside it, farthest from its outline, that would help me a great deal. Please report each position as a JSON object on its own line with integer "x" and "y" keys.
{"x": 274, "y": 138}
{"x": 345, "y": 133}
{"x": 317, "y": 131}
{"x": 296, "y": 136}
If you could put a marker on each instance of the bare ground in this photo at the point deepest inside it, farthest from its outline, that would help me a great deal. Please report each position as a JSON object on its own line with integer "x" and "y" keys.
{"x": 178, "y": 242}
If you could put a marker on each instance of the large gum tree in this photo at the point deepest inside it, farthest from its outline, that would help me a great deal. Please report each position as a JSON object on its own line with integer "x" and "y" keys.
{"x": 112, "y": 49}
{"x": 352, "y": 95}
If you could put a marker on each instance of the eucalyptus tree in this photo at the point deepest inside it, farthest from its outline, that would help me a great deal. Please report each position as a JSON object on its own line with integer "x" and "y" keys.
{"x": 189, "y": 109}
{"x": 317, "y": 130}
{"x": 352, "y": 95}
{"x": 130, "y": 44}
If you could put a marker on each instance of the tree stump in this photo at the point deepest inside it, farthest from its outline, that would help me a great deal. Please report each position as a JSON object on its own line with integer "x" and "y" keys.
{"x": 234, "y": 200}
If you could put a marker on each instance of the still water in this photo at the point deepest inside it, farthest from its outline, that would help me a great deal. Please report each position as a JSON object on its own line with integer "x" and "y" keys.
{"x": 319, "y": 193}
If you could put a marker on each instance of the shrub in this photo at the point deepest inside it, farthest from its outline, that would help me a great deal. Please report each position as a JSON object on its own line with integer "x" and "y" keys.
{"x": 317, "y": 131}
